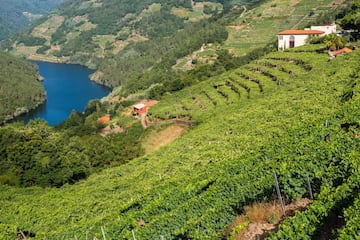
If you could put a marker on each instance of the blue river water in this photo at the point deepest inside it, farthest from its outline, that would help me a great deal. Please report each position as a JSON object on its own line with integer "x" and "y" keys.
{"x": 68, "y": 88}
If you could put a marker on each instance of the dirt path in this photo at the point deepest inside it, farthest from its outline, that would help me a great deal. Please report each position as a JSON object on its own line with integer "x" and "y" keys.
{"x": 243, "y": 13}
{"x": 300, "y": 21}
{"x": 145, "y": 122}
{"x": 241, "y": 26}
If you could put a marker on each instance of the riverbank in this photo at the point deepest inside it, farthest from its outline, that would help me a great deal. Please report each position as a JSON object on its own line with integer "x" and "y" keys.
{"x": 52, "y": 59}
{"x": 96, "y": 77}
{"x": 68, "y": 88}
{"x": 21, "y": 88}
{"x": 20, "y": 113}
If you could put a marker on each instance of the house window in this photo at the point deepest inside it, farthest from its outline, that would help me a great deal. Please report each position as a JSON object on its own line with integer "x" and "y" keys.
{"x": 280, "y": 37}
{"x": 292, "y": 42}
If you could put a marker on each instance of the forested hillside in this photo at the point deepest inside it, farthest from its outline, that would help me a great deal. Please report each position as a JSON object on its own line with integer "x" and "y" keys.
{"x": 17, "y": 15}
{"x": 20, "y": 88}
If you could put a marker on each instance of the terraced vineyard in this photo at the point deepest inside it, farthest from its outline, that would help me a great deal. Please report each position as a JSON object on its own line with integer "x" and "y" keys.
{"x": 266, "y": 116}
{"x": 249, "y": 82}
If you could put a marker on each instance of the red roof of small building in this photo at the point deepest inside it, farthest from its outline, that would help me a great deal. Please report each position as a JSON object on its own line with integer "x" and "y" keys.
{"x": 344, "y": 50}
{"x": 143, "y": 106}
{"x": 104, "y": 119}
{"x": 300, "y": 32}
{"x": 139, "y": 106}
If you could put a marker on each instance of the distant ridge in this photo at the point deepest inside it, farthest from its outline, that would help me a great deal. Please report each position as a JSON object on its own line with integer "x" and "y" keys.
{"x": 17, "y": 15}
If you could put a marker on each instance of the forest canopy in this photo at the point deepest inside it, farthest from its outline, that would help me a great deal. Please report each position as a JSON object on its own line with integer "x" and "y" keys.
{"x": 20, "y": 89}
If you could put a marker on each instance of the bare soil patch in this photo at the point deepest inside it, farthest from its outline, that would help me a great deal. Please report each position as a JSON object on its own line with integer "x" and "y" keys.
{"x": 157, "y": 139}
{"x": 111, "y": 129}
{"x": 46, "y": 29}
{"x": 264, "y": 218}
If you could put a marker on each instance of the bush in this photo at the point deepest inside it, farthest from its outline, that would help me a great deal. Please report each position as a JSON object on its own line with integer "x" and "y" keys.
{"x": 29, "y": 40}
{"x": 43, "y": 49}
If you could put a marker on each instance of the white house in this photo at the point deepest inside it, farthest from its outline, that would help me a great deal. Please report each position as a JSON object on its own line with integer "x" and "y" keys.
{"x": 295, "y": 38}
{"x": 326, "y": 28}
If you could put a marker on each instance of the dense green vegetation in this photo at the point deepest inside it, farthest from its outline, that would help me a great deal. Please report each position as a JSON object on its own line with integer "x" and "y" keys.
{"x": 36, "y": 154}
{"x": 140, "y": 65}
{"x": 20, "y": 90}
{"x": 292, "y": 112}
{"x": 352, "y": 18}
{"x": 17, "y": 15}
{"x": 339, "y": 195}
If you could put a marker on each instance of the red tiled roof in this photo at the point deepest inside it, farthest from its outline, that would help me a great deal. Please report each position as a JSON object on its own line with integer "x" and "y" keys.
{"x": 344, "y": 50}
{"x": 104, "y": 119}
{"x": 300, "y": 32}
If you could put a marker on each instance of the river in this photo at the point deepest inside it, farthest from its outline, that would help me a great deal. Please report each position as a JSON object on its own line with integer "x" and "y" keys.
{"x": 68, "y": 88}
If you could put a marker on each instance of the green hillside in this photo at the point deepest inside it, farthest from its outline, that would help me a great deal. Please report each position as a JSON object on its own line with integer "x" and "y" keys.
{"x": 292, "y": 113}
{"x": 245, "y": 113}
{"x": 136, "y": 44}
{"x": 20, "y": 89}
{"x": 17, "y": 15}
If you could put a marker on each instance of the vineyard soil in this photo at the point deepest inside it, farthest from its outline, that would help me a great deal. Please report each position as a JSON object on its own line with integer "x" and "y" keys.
{"x": 260, "y": 215}
{"x": 157, "y": 139}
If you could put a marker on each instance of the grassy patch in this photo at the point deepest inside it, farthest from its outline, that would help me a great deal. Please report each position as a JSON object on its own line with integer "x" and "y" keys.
{"x": 159, "y": 136}
{"x": 180, "y": 12}
{"x": 86, "y": 26}
{"x": 102, "y": 40}
{"x": 197, "y": 12}
{"x": 46, "y": 29}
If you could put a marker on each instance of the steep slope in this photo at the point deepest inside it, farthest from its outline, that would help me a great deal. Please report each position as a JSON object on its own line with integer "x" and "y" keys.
{"x": 20, "y": 88}
{"x": 295, "y": 113}
{"x": 268, "y": 115}
{"x": 17, "y": 15}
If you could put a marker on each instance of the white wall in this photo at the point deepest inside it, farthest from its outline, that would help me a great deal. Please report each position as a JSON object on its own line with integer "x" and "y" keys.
{"x": 328, "y": 29}
{"x": 284, "y": 41}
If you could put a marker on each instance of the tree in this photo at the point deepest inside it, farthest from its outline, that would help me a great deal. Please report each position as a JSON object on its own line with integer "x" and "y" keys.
{"x": 333, "y": 41}
{"x": 352, "y": 19}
